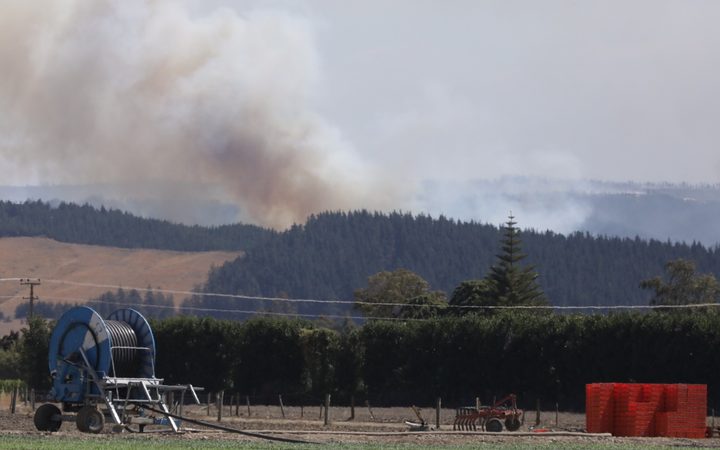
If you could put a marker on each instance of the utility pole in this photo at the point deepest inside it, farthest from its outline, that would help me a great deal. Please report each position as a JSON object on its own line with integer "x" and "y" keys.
{"x": 32, "y": 282}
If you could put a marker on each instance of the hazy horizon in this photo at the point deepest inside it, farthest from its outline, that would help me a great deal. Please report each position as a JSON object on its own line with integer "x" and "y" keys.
{"x": 661, "y": 211}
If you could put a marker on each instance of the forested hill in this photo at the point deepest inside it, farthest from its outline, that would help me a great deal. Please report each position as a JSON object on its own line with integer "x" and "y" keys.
{"x": 110, "y": 227}
{"x": 334, "y": 253}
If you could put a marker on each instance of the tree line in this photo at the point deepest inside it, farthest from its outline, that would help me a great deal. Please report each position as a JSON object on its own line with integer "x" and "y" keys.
{"x": 536, "y": 356}
{"x": 85, "y": 224}
{"x": 333, "y": 254}
{"x": 151, "y": 304}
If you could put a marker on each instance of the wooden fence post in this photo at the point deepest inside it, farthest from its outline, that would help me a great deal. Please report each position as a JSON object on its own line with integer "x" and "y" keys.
{"x": 327, "y": 409}
{"x": 247, "y": 401}
{"x": 438, "y": 405}
{"x": 282, "y": 407}
{"x": 537, "y": 412}
{"x": 372, "y": 416}
{"x": 352, "y": 407}
{"x": 220, "y": 399}
{"x": 13, "y": 400}
{"x": 557, "y": 413}
{"x": 712, "y": 420}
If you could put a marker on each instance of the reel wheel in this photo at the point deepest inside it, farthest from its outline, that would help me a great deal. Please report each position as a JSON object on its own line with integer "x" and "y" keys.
{"x": 47, "y": 418}
{"x": 90, "y": 420}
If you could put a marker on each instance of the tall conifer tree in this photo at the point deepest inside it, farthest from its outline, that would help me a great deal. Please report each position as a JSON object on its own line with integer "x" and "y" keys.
{"x": 510, "y": 282}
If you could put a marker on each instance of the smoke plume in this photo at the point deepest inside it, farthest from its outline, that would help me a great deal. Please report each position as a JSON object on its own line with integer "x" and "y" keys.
{"x": 130, "y": 92}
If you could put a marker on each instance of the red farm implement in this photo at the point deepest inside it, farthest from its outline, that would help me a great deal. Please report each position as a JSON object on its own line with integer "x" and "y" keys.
{"x": 490, "y": 418}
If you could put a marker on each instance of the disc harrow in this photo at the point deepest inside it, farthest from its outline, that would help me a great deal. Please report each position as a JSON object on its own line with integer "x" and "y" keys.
{"x": 490, "y": 418}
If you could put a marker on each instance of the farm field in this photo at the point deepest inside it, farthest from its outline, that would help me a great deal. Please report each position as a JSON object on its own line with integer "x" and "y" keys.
{"x": 48, "y": 259}
{"x": 387, "y": 431}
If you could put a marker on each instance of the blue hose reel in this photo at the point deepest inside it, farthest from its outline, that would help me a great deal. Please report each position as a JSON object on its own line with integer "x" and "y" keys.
{"x": 96, "y": 362}
{"x": 120, "y": 346}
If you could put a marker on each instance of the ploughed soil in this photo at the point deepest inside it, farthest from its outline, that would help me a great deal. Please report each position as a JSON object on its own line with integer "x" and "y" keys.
{"x": 386, "y": 426}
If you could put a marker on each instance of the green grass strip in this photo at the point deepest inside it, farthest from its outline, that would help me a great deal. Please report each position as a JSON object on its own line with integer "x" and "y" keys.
{"x": 55, "y": 442}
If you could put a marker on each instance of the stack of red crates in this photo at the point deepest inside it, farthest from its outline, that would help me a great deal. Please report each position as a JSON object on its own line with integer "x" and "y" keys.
{"x": 631, "y": 409}
{"x": 684, "y": 415}
{"x": 599, "y": 407}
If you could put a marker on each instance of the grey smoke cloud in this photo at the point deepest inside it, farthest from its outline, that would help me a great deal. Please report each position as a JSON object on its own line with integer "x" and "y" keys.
{"x": 289, "y": 107}
{"x": 126, "y": 92}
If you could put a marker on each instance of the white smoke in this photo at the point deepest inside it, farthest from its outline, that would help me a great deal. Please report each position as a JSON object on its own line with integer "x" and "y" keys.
{"x": 537, "y": 203}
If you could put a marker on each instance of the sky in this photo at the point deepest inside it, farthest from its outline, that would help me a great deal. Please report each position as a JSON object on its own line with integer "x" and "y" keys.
{"x": 612, "y": 90}
{"x": 286, "y": 108}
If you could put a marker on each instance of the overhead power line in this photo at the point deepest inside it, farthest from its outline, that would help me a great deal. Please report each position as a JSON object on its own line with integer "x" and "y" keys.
{"x": 352, "y": 302}
{"x": 327, "y": 316}
{"x": 195, "y": 293}
{"x": 231, "y": 311}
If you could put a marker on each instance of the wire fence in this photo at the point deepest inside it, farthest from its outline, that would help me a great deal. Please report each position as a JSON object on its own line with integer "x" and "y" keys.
{"x": 309, "y": 410}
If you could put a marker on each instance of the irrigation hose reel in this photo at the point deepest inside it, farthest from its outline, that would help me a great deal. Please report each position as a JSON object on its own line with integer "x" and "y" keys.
{"x": 104, "y": 362}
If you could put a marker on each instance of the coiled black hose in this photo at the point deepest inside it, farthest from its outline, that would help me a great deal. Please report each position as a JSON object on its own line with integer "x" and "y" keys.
{"x": 125, "y": 354}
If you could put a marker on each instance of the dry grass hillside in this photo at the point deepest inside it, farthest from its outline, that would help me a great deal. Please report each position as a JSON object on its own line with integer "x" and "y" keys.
{"x": 51, "y": 260}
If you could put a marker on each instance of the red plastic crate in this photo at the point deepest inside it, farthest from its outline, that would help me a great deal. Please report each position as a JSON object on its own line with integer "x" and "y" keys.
{"x": 599, "y": 407}
{"x": 633, "y": 409}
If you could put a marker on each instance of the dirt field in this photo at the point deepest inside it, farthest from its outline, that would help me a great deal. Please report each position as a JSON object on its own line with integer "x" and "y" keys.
{"x": 388, "y": 428}
{"x": 47, "y": 259}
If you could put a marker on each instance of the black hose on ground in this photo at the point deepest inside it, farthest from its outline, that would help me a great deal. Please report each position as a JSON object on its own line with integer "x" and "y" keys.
{"x": 229, "y": 429}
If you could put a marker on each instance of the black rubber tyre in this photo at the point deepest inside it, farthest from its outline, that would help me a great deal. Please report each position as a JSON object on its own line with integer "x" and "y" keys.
{"x": 90, "y": 420}
{"x": 47, "y": 418}
{"x": 493, "y": 425}
{"x": 512, "y": 423}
